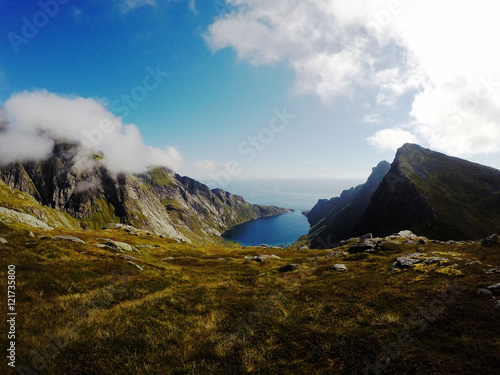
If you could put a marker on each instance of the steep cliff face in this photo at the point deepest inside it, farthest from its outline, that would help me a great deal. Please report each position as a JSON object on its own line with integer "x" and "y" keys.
{"x": 430, "y": 193}
{"x": 435, "y": 195}
{"x": 159, "y": 200}
{"x": 343, "y": 213}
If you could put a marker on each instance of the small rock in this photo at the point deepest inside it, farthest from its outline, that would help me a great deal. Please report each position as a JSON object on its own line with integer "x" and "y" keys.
{"x": 472, "y": 262}
{"x": 365, "y": 243}
{"x": 451, "y": 242}
{"x": 421, "y": 242}
{"x": 3, "y": 240}
{"x": 69, "y": 238}
{"x": 495, "y": 288}
{"x": 264, "y": 245}
{"x": 490, "y": 241}
{"x": 168, "y": 258}
{"x": 120, "y": 246}
{"x": 339, "y": 267}
{"x": 46, "y": 237}
{"x": 483, "y": 293}
{"x": 497, "y": 304}
{"x": 493, "y": 270}
{"x": 407, "y": 234}
{"x": 288, "y": 268}
{"x": 221, "y": 259}
{"x": 435, "y": 260}
{"x": 304, "y": 247}
{"x": 333, "y": 253}
{"x": 406, "y": 261}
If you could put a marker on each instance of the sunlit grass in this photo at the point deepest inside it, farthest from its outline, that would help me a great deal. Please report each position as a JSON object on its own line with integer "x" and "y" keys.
{"x": 188, "y": 312}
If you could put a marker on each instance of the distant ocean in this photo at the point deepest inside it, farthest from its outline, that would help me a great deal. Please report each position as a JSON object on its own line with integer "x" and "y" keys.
{"x": 298, "y": 194}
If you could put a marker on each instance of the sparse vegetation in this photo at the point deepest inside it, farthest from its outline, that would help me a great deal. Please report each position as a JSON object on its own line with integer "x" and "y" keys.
{"x": 191, "y": 312}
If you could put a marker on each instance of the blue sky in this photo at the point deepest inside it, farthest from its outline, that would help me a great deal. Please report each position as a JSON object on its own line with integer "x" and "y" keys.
{"x": 358, "y": 80}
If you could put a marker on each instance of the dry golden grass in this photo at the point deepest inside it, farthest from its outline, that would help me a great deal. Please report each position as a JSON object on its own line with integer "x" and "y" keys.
{"x": 85, "y": 310}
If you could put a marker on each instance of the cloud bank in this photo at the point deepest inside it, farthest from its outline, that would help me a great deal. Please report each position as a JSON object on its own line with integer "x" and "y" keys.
{"x": 441, "y": 53}
{"x": 37, "y": 118}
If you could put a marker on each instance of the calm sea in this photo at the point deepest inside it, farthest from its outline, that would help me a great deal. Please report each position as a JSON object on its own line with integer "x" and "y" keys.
{"x": 299, "y": 195}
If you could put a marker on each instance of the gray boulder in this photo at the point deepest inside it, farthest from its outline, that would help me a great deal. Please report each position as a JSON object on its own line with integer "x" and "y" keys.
{"x": 406, "y": 261}
{"x": 495, "y": 288}
{"x": 117, "y": 245}
{"x": 483, "y": 293}
{"x": 435, "y": 260}
{"x": 365, "y": 243}
{"x": 407, "y": 234}
{"x": 490, "y": 241}
{"x": 69, "y": 238}
{"x": 338, "y": 267}
{"x": 3, "y": 240}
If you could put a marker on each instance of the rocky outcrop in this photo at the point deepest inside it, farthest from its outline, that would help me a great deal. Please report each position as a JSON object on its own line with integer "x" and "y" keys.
{"x": 77, "y": 182}
{"x": 429, "y": 193}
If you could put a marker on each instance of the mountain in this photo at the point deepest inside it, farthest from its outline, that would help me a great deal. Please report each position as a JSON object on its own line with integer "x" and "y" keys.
{"x": 435, "y": 195}
{"x": 427, "y": 192}
{"x": 335, "y": 219}
{"x": 77, "y": 182}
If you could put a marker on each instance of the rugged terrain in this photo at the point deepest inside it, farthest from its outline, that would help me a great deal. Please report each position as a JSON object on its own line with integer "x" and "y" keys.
{"x": 430, "y": 193}
{"x": 108, "y": 301}
{"x": 159, "y": 201}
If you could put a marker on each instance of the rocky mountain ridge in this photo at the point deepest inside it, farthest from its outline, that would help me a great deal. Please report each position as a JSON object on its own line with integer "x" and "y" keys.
{"x": 427, "y": 192}
{"x": 158, "y": 200}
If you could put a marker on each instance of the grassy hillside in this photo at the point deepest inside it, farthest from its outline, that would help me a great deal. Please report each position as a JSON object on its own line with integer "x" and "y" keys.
{"x": 172, "y": 308}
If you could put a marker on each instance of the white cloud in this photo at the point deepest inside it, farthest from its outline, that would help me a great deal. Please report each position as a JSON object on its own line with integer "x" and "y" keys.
{"x": 389, "y": 49}
{"x": 329, "y": 44}
{"x": 127, "y": 6}
{"x": 38, "y": 117}
{"x": 391, "y": 139}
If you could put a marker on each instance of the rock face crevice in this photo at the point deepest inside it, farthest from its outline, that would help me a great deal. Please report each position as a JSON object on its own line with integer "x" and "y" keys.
{"x": 430, "y": 193}
{"x": 159, "y": 200}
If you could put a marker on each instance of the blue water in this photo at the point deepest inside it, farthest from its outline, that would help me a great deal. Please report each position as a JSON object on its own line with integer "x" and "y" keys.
{"x": 273, "y": 231}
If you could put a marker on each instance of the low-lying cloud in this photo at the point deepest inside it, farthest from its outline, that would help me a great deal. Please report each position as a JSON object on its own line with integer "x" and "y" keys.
{"x": 38, "y": 118}
{"x": 438, "y": 52}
